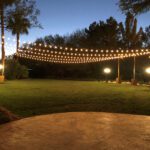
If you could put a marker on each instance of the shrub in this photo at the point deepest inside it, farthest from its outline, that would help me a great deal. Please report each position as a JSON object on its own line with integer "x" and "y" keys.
{"x": 14, "y": 70}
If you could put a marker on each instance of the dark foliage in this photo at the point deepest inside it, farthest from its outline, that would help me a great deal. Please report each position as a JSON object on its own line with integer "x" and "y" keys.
{"x": 134, "y": 6}
{"x": 14, "y": 70}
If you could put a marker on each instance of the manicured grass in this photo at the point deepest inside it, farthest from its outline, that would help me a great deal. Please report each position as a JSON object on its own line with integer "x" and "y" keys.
{"x": 35, "y": 97}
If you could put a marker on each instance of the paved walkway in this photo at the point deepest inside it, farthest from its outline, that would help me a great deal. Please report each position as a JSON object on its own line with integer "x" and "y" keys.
{"x": 77, "y": 131}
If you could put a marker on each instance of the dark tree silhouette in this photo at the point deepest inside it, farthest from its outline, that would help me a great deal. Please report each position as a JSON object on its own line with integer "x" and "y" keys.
{"x": 22, "y": 18}
{"x": 134, "y": 6}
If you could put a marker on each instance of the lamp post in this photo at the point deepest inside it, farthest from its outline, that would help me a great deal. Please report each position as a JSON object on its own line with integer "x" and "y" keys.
{"x": 118, "y": 78}
{"x": 134, "y": 82}
{"x": 107, "y": 71}
{"x": 134, "y": 69}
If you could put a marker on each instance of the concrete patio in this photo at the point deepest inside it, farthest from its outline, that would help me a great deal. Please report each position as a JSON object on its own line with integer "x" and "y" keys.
{"x": 77, "y": 131}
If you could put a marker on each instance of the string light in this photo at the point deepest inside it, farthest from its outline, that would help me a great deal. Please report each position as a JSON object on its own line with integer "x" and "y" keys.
{"x": 74, "y": 57}
{"x": 59, "y": 54}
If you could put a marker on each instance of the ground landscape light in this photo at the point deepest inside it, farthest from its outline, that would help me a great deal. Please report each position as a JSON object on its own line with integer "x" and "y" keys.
{"x": 147, "y": 70}
{"x": 107, "y": 70}
{"x": 1, "y": 66}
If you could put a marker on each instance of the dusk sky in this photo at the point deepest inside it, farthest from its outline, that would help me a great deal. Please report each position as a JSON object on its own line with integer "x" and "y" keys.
{"x": 65, "y": 16}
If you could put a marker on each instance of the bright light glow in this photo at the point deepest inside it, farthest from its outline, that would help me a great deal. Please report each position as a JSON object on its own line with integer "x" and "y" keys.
{"x": 107, "y": 70}
{"x": 147, "y": 70}
{"x": 1, "y": 66}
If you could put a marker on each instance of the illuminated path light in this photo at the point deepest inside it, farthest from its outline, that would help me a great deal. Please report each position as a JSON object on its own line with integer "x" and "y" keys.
{"x": 147, "y": 70}
{"x": 107, "y": 70}
{"x": 1, "y": 66}
{"x": 1, "y": 75}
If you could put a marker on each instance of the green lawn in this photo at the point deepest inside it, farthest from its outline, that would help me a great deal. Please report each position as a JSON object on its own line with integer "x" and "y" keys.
{"x": 35, "y": 97}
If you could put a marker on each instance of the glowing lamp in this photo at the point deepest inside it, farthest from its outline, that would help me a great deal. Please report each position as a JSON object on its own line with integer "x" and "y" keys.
{"x": 107, "y": 70}
{"x": 1, "y": 66}
{"x": 147, "y": 70}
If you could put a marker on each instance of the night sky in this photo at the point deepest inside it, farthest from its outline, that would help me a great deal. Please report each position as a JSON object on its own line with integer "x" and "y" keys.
{"x": 65, "y": 16}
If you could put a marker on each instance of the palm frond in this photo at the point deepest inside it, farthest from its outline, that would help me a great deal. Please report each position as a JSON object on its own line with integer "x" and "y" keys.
{"x": 134, "y": 6}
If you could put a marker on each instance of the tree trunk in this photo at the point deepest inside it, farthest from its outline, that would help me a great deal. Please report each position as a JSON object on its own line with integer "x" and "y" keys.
{"x": 2, "y": 37}
{"x": 18, "y": 42}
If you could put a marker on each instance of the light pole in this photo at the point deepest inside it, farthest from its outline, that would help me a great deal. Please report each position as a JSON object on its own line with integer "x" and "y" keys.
{"x": 134, "y": 82}
{"x": 134, "y": 69}
{"x": 118, "y": 78}
{"x": 107, "y": 71}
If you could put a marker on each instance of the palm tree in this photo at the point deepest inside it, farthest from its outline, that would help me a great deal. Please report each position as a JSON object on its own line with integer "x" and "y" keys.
{"x": 18, "y": 24}
{"x": 22, "y": 18}
{"x": 135, "y": 6}
{"x": 3, "y": 5}
{"x": 131, "y": 38}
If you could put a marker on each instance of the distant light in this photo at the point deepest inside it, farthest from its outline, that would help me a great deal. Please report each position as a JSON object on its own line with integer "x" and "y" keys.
{"x": 147, "y": 70}
{"x": 1, "y": 66}
{"x": 107, "y": 70}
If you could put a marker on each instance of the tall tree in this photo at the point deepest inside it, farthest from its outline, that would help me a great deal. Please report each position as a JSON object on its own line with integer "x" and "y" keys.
{"x": 147, "y": 37}
{"x": 76, "y": 39}
{"x": 22, "y": 18}
{"x": 3, "y": 5}
{"x": 134, "y": 6}
{"x": 54, "y": 40}
{"x": 103, "y": 34}
{"x": 18, "y": 25}
{"x": 132, "y": 38}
